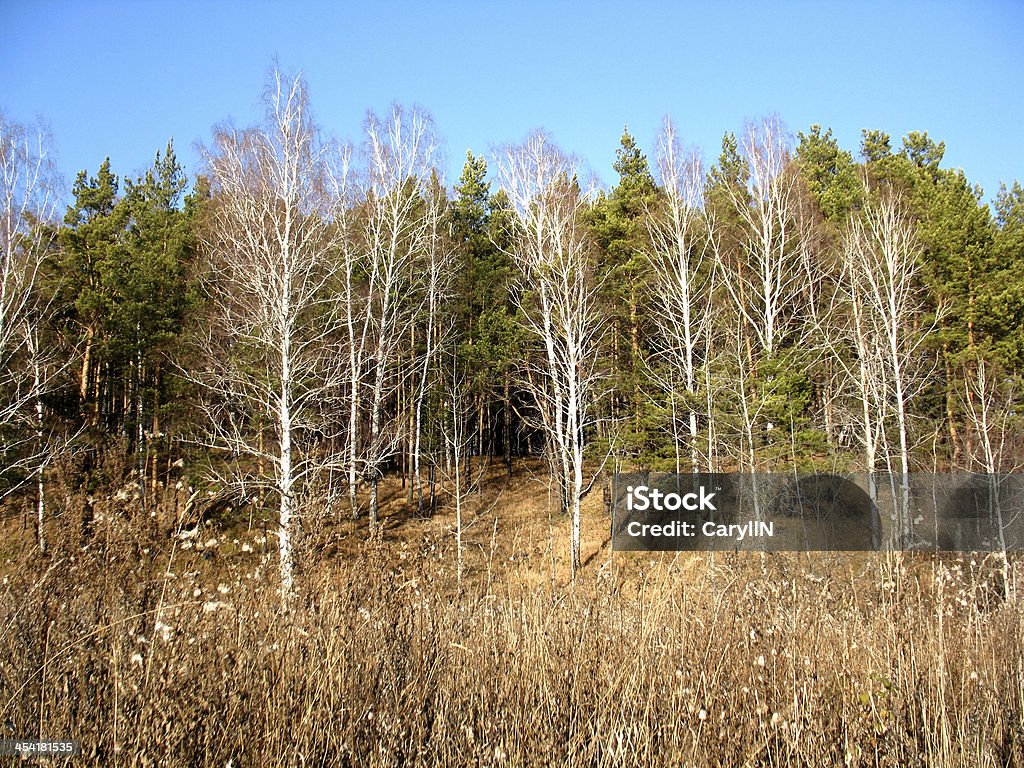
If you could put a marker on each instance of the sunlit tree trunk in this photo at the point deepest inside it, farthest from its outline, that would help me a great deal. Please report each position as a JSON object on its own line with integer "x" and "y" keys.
{"x": 681, "y": 234}
{"x": 28, "y": 184}
{"x": 270, "y": 348}
{"x": 552, "y": 251}
{"x": 402, "y": 153}
{"x": 881, "y": 265}
{"x": 766, "y": 282}
{"x": 991, "y": 415}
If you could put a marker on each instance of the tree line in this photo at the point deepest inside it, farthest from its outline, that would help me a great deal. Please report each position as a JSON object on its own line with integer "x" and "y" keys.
{"x": 305, "y": 316}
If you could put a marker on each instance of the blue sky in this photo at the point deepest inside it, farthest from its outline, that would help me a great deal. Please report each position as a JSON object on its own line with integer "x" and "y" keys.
{"x": 119, "y": 79}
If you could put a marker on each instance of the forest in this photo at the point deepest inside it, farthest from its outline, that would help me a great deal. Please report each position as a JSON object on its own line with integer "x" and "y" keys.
{"x": 310, "y": 317}
{"x": 309, "y": 333}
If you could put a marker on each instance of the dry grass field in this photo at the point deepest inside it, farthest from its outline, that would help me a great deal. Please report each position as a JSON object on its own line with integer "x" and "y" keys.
{"x": 154, "y": 651}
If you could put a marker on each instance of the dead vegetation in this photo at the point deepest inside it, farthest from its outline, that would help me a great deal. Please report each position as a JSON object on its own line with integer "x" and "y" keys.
{"x": 157, "y": 650}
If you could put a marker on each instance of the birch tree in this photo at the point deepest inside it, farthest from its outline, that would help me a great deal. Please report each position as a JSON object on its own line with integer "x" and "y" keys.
{"x": 28, "y": 196}
{"x": 270, "y": 357}
{"x": 849, "y": 330}
{"x": 439, "y": 266}
{"x": 881, "y": 253}
{"x": 766, "y": 280}
{"x": 398, "y": 225}
{"x": 454, "y": 428}
{"x": 559, "y": 306}
{"x": 756, "y": 194}
{"x": 992, "y": 417}
{"x": 682, "y": 275}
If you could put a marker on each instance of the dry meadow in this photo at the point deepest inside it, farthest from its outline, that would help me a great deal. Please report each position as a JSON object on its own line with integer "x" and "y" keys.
{"x": 152, "y": 650}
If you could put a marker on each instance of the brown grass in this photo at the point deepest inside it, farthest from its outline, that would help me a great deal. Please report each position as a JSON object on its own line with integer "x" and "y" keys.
{"x": 154, "y": 655}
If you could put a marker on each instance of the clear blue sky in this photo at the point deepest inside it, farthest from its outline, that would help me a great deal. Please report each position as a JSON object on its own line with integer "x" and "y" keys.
{"x": 120, "y": 78}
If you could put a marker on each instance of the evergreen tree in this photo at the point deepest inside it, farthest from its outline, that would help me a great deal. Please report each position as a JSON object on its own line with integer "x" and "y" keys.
{"x": 92, "y": 251}
{"x": 875, "y": 146}
{"x": 151, "y": 283}
{"x": 620, "y": 231}
{"x": 727, "y": 180}
{"x": 120, "y": 278}
{"x": 1000, "y": 310}
{"x": 957, "y": 261}
{"x": 486, "y": 320}
{"x": 830, "y": 173}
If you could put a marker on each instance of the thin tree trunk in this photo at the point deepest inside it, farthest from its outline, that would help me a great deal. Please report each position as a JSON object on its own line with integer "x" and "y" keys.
{"x": 40, "y": 488}
{"x": 284, "y": 415}
{"x": 901, "y": 414}
{"x": 508, "y": 422}
{"x": 455, "y": 445}
{"x": 140, "y": 430}
{"x": 156, "y": 427}
{"x": 83, "y": 384}
{"x": 378, "y": 392}
{"x": 420, "y": 396}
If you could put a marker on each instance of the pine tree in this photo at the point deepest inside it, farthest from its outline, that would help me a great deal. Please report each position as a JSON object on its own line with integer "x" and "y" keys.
{"x": 1000, "y": 308}
{"x": 830, "y": 173}
{"x": 150, "y": 289}
{"x": 93, "y": 249}
{"x": 486, "y": 318}
{"x": 120, "y": 280}
{"x": 620, "y": 231}
{"x": 875, "y": 146}
{"x": 957, "y": 262}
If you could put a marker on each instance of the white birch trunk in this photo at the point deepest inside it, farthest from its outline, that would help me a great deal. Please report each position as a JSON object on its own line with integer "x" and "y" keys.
{"x": 552, "y": 251}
